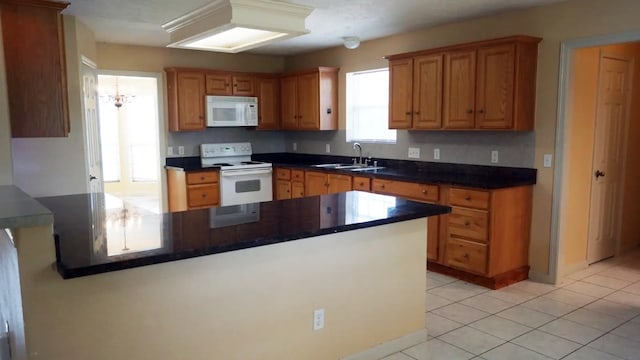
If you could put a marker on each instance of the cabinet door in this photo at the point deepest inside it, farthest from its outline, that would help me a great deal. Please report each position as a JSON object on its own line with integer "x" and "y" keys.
{"x": 361, "y": 183}
{"x": 315, "y": 183}
{"x": 309, "y": 102}
{"x": 268, "y": 104}
{"x": 219, "y": 84}
{"x": 433, "y": 228}
{"x": 338, "y": 183}
{"x": 283, "y": 189}
{"x": 191, "y": 101}
{"x": 494, "y": 91}
{"x": 289, "y": 99}
{"x": 297, "y": 189}
{"x": 400, "y": 93}
{"x": 34, "y": 55}
{"x": 243, "y": 86}
{"x": 427, "y": 92}
{"x": 203, "y": 195}
{"x": 459, "y": 90}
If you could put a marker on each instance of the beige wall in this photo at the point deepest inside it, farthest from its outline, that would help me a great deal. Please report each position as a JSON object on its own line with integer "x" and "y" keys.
{"x": 580, "y": 130}
{"x": 554, "y": 23}
{"x": 247, "y": 304}
{"x": 155, "y": 59}
{"x": 6, "y": 167}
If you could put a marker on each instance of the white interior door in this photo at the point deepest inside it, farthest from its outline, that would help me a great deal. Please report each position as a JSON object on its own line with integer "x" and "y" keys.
{"x": 94, "y": 158}
{"x": 613, "y": 95}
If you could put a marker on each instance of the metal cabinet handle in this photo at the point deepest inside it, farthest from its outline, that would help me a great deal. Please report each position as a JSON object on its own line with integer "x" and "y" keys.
{"x": 481, "y": 111}
{"x": 469, "y": 111}
{"x": 408, "y": 113}
{"x": 417, "y": 113}
{"x": 468, "y": 197}
{"x": 424, "y": 191}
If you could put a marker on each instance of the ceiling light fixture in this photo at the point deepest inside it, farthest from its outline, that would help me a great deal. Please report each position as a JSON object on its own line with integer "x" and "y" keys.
{"x": 351, "y": 42}
{"x": 233, "y": 26}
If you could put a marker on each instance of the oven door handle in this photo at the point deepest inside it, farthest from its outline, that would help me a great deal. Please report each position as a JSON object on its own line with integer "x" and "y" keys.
{"x": 232, "y": 173}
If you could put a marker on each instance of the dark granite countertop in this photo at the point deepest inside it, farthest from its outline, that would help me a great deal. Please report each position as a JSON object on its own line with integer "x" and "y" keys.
{"x": 101, "y": 233}
{"x": 476, "y": 176}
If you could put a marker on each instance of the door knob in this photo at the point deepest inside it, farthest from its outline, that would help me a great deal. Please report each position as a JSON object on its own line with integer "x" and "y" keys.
{"x": 599, "y": 173}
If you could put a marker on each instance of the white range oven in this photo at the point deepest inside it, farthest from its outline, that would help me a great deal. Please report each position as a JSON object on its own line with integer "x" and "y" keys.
{"x": 242, "y": 180}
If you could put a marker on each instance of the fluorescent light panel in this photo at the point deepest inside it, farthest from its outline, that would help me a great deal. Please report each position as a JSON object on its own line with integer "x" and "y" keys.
{"x": 234, "y": 40}
{"x": 237, "y": 25}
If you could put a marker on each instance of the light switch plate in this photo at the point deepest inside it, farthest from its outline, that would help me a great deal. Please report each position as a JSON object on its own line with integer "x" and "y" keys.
{"x": 414, "y": 153}
{"x": 548, "y": 158}
{"x": 180, "y": 150}
{"x": 170, "y": 151}
{"x": 494, "y": 156}
{"x": 436, "y": 154}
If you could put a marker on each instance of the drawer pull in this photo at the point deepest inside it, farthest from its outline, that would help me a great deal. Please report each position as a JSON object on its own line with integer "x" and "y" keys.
{"x": 467, "y": 223}
{"x": 467, "y": 197}
{"x": 361, "y": 184}
{"x": 382, "y": 186}
{"x": 466, "y": 256}
{"x": 424, "y": 191}
{"x": 201, "y": 177}
{"x": 204, "y": 196}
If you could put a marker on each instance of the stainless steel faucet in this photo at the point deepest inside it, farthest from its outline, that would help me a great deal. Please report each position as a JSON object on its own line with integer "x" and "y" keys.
{"x": 359, "y": 147}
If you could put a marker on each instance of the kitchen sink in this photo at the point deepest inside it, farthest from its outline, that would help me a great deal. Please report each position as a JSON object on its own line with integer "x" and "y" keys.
{"x": 351, "y": 167}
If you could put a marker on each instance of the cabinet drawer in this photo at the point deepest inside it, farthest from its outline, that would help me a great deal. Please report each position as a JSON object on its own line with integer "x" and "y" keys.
{"x": 466, "y": 255}
{"x": 469, "y": 198}
{"x": 472, "y": 224}
{"x": 297, "y": 175}
{"x": 202, "y": 177}
{"x": 414, "y": 191}
{"x": 283, "y": 174}
{"x": 203, "y": 195}
{"x": 361, "y": 183}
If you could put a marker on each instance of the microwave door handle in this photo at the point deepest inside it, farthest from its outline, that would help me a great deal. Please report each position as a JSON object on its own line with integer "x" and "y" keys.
{"x": 232, "y": 173}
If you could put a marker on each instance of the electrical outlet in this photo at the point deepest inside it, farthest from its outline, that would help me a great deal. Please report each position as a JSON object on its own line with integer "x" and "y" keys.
{"x": 180, "y": 150}
{"x": 414, "y": 153}
{"x": 170, "y": 151}
{"x": 295, "y": 146}
{"x": 548, "y": 158}
{"x": 436, "y": 154}
{"x": 327, "y": 148}
{"x": 494, "y": 156}
{"x": 318, "y": 319}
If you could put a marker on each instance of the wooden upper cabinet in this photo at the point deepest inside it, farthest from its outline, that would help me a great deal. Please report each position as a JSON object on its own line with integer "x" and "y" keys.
{"x": 268, "y": 103}
{"x": 288, "y": 102}
{"x": 34, "y": 55}
{"x": 309, "y": 100}
{"x": 229, "y": 84}
{"x": 415, "y": 88}
{"x": 486, "y": 85}
{"x": 400, "y": 93}
{"x": 427, "y": 92}
{"x": 186, "y": 91}
{"x": 460, "y": 90}
{"x": 494, "y": 89}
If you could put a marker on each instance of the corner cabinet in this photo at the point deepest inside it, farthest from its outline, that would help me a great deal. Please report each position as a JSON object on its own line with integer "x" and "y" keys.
{"x": 486, "y": 85}
{"x": 186, "y": 92}
{"x": 34, "y": 55}
{"x": 193, "y": 189}
{"x": 309, "y": 100}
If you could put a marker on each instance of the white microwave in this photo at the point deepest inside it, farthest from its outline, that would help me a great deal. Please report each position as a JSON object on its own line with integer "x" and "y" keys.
{"x": 232, "y": 111}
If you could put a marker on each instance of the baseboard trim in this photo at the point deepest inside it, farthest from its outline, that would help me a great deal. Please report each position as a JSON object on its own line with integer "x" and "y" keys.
{"x": 390, "y": 347}
{"x": 496, "y": 282}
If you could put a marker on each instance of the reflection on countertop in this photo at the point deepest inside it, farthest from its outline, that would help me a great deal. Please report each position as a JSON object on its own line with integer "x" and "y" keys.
{"x": 97, "y": 233}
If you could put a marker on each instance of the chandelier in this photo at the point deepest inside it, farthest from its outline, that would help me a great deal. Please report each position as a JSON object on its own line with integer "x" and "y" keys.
{"x": 117, "y": 99}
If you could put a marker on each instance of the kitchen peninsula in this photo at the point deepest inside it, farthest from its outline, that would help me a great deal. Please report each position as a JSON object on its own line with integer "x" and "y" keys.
{"x": 246, "y": 289}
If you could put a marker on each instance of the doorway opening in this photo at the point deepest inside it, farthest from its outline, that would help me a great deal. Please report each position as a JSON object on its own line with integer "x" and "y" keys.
{"x": 129, "y": 138}
{"x": 595, "y": 199}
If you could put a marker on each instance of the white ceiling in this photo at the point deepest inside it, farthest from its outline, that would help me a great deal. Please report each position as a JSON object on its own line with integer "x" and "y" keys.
{"x": 139, "y": 21}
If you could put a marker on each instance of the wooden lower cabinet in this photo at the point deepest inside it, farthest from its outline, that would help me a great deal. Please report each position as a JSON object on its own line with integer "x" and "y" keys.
{"x": 319, "y": 183}
{"x": 419, "y": 192}
{"x": 486, "y": 235}
{"x": 193, "y": 189}
{"x": 288, "y": 183}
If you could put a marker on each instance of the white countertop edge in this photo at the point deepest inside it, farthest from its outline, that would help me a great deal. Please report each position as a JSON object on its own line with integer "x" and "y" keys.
{"x": 17, "y": 209}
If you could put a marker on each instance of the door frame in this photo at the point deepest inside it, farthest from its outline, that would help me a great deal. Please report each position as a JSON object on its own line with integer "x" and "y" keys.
{"x": 567, "y": 47}
{"x": 162, "y": 123}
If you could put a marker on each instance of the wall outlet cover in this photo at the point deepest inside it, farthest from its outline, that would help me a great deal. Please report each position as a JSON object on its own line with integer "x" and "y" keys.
{"x": 327, "y": 148}
{"x": 318, "y": 319}
{"x": 295, "y": 146}
{"x": 413, "y": 153}
{"x": 548, "y": 158}
{"x": 436, "y": 154}
{"x": 180, "y": 150}
{"x": 494, "y": 156}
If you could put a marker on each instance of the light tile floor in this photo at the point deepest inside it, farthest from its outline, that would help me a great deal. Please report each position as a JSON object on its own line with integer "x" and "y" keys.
{"x": 593, "y": 315}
